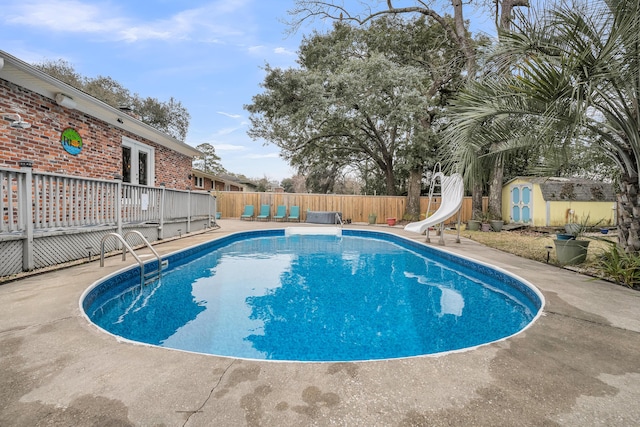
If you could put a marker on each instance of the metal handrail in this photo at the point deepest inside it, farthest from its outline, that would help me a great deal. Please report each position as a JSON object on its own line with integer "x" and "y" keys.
{"x": 338, "y": 219}
{"x": 124, "y": 253}
{"x": 148, "y": 245}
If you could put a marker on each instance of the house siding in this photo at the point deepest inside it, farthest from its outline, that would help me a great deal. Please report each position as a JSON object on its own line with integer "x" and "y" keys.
{"x": 101, "y": 155}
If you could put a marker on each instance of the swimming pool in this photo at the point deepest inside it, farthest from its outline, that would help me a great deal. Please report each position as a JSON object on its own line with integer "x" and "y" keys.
{"x": 353, "y": 295}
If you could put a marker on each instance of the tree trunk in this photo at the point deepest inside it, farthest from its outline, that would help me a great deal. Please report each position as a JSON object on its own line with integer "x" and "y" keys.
{"x": 414, "y": 188}
{"x": 495, "y": 189}
{"x": 495, "y": 185}
{"x": 628, "y": 214}
{"x": 476, "y": 200}
{"x": 464, "y": 39}
{"x": 507, "y": 9}
{"x": 390, "y": 179}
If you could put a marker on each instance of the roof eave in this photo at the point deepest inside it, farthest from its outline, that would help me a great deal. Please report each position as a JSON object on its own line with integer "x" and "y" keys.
{"x": 19, "y": 72}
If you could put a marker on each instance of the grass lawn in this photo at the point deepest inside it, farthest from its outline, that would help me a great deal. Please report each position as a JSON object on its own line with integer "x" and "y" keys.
{"x": 533, "y": 244}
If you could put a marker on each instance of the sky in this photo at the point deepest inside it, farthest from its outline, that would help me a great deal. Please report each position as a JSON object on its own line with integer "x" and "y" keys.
{"x": 207, "y": 54}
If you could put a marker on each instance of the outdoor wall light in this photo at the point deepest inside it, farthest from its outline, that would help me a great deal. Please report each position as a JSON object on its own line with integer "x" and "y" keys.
{"x": 17, "y": 122}
{"x": 548, "y": 248}
{"x": 65, "y": 101}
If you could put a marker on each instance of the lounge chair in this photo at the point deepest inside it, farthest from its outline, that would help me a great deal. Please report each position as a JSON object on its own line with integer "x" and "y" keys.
{"x": 265, "y": 212}
{"x": 248, "y": 212}
{"x": 294, "y": 214}
{"x": 281, "y": 213}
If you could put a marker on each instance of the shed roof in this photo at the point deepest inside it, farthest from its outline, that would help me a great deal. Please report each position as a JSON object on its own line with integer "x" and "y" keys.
{"x": 573, "y": 189}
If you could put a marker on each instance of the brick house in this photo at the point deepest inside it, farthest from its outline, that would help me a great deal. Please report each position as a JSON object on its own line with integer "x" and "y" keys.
{"x": 211, "y": 182}
{"x": 76, "y": 134}
{"x": 75, "y": 171}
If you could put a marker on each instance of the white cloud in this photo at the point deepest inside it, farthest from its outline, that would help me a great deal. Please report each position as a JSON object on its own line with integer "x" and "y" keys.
{"x": 283, "y": 51}
{"x": 206, "y": 24}
{"x": 65, "y": 15}
{"x": 233, "y": 116}
{"x": 226, "y": 131}
{"x": 256, "y": 50}
{"x": 229, "y": 147}
{"x": 264, "y": 156}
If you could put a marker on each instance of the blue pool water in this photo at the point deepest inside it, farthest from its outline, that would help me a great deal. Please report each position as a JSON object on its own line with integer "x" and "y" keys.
{"x": 359, "y": 296}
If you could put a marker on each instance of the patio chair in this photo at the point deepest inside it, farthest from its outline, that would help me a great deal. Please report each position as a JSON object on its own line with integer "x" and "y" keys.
{"x": 281, "y": 213}
{"x": 265, "y": 212}
{"x": 294, "y": 214}
{"x": 248, "y": 212}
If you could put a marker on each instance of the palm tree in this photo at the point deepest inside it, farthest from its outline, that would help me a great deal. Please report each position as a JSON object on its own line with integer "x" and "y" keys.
{"x": 575, "y": 71}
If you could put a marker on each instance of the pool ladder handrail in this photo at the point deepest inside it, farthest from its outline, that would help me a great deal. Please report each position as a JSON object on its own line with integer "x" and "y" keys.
{"x": 338, "y": 220}
{"x": 144, "y": 278}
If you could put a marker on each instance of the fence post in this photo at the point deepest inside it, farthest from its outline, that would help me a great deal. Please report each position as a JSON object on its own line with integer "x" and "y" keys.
{"x": 212, "y": 216}
{"x": 26, "y": 204}
{"x": 162, "y": 201}
{"x": 119, "y": 196}
{"x": 188, "y": 211}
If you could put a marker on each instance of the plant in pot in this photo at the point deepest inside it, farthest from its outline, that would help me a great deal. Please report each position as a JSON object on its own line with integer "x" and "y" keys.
{"x": 571, "y": 248}
{"x": 373, "y": 218}
{"x": 484, "y": 219}
{"x": 496, "y": 222}
{"x": 473, "y": 224}
{"x": 571, "y": 227}
{"x": 391, "y": 222}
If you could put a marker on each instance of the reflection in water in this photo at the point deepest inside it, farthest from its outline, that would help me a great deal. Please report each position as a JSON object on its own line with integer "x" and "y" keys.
{"x": 227, "y": 316}
{"x": 451, "y": 300}
{"x": 331, "y": 298}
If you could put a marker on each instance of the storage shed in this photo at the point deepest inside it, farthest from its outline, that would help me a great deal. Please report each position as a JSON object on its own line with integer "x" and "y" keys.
{"x": 555, "y": 201}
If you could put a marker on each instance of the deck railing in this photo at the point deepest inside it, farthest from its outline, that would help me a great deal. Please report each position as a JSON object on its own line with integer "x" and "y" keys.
{"x": 61, "y": 201}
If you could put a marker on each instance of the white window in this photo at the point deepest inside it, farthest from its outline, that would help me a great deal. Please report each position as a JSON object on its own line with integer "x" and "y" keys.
{"x": 138, "y": 162}
{"x": 199, "y": 182}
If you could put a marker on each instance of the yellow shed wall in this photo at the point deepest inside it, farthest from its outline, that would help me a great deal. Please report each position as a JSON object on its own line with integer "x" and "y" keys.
{"x": 601, "y": 213}
{"x": 591, "y": 213}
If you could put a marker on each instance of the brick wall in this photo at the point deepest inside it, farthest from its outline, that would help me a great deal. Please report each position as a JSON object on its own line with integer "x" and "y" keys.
{"x": 101, "y": 155}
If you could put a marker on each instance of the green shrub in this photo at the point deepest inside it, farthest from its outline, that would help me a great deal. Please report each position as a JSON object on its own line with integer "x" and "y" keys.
{"x": 620, "y": 266}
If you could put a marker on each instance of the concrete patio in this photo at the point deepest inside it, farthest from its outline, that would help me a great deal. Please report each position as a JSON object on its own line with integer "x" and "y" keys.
{"x": 578, "y": 365}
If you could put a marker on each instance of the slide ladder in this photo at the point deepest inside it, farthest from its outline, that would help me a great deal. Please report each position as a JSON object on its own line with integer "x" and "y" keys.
{"x": 451, "y": 194}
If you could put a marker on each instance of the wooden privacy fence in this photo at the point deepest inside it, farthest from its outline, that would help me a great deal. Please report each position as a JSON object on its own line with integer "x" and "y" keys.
{"x": 357, "y": 208}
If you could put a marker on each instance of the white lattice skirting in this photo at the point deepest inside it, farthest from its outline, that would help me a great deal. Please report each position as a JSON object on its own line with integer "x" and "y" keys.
{"x": 61, "y": 246}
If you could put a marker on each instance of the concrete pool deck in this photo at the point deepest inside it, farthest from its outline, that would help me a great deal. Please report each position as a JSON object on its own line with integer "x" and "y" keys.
{"x": 578, "y": 365}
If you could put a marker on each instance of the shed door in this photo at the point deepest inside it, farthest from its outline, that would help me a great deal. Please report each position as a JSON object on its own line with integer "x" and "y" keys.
{"x": 521, "y": 203}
